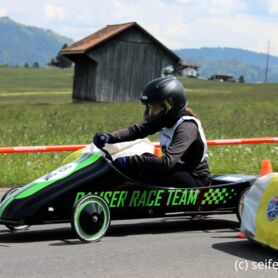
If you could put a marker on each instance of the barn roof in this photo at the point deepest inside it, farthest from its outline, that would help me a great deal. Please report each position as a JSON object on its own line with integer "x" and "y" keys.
{"x": 188, "y": 65}
{"x": 105, "y": 34}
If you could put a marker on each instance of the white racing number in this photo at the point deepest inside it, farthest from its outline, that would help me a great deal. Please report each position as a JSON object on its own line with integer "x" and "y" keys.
{"x": 58, "y": 173}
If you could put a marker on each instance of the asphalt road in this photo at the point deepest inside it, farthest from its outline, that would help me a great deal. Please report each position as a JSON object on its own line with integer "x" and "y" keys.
{"x": 171, "y": 247}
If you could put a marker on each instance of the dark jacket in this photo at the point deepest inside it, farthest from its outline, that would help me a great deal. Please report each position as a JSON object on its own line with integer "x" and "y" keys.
{"x": 186, "y": 146}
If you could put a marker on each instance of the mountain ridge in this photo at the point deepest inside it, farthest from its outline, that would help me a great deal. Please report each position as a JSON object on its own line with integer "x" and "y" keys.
{"x": 234, "y": 61}
{"x": 20, "y": 44}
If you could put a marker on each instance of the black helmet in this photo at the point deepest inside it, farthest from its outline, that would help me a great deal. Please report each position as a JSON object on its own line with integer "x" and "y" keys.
{"x": 167, "y": 91}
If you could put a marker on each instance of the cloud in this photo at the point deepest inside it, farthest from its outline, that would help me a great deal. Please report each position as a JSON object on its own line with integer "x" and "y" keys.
{"x": 273, "y": 7}
{"x": 54, "y": 11}
{"x": 176, "y": 23}
{"x": 211, "y": 7}
{"x": 222, "y": 7}
{"x": 3, "y": 12}
{"x": 241, "y": 31}
{"x": 194, "y": 24}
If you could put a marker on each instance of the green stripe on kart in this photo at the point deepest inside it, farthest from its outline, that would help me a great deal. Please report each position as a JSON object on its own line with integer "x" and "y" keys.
{"x": 33, "y": 188}
{"x": 36, "y": 186}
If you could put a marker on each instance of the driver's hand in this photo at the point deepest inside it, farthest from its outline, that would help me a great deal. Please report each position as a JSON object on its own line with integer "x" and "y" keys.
{"x": 100, "y": 139}
{"x": 121, "y": 163}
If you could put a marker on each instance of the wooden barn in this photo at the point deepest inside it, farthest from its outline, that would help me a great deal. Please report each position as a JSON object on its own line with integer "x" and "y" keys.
{"x": 116, "y": 62}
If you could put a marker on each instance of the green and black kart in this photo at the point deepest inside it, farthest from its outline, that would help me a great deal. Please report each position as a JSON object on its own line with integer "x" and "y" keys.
{"x": 89, "y": 191}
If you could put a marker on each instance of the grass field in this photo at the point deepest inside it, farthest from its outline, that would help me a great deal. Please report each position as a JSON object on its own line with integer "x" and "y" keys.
{"x": 36, "y": 109}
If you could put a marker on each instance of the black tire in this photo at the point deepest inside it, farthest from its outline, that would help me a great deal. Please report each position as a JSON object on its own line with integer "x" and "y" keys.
{"x": 90, "y": 218}
{"x": 13, "y": 228}
{"x": 239, "y": 209}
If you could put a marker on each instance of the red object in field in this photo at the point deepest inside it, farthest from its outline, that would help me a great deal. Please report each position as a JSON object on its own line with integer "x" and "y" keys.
{"x": 64, "y": 148}
{"x": 242, "y": 141}
{"x": 31, "y": 149}
{"x": 221, "y": 142}
{"x": 266, "y": 167}
{"x": 157, "y": 150}
{"x": 241, "y": 235}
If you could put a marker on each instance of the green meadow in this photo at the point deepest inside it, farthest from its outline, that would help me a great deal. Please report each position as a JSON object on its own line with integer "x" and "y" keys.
{"x": 36, "y": 109}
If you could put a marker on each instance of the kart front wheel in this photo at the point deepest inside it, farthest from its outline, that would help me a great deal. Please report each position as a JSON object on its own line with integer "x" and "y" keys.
{"x": 13, "y": 228}
{"x": 90, "y": 218}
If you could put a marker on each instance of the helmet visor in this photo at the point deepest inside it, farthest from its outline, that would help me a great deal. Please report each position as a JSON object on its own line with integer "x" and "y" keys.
{"x": 154, "y": 111}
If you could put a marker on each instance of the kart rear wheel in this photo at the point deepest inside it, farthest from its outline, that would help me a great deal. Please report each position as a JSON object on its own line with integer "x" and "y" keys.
{"x": 90, "y": 218}
{"x": 240, "y": 204}
{"x": 13, "y": 228}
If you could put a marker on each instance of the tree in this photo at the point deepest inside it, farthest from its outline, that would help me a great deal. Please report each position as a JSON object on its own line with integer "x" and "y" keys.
{"x": 26, "y": 65}
{"x": 36, "y": 65}
{"x": 241, "y": 79}
{"x": 52, "y": 63}
{"x": 60, "y": 60}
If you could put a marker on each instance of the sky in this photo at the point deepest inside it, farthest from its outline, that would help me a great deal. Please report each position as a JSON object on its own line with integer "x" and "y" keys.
{"x": 177, "y": 24}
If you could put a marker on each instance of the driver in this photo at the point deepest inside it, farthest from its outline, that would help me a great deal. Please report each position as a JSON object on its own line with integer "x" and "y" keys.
{"x": 182, "y": 139}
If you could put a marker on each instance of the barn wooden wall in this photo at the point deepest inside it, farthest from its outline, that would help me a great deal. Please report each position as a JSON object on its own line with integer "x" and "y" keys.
{"x": 84, "y": 79}
{"x": 119, "y": 68}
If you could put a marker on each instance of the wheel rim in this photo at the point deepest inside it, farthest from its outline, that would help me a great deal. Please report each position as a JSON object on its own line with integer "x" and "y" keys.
{"x": 17, "y": 228}
{"x": 91, "y": 218}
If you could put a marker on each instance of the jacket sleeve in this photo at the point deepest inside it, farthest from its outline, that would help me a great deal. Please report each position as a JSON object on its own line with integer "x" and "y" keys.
{"x": 134, "y": 132}
{"x": 184, "y": 136}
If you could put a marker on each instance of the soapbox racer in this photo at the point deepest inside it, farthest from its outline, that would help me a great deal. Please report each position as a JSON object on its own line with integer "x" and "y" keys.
{"x": 260, "y": 212}
{"x": 90, "y": 191}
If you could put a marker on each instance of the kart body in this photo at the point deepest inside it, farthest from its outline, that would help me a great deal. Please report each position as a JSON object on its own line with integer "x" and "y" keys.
{"x": 90, "y": 187}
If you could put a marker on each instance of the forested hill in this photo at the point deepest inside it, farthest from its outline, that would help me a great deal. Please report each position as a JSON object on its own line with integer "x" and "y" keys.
{"x": 233, "y": 61}
{"x": 20, "y": 44}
